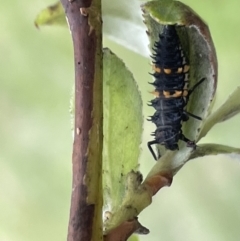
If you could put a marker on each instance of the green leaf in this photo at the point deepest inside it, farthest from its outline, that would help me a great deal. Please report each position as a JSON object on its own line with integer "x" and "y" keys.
{"x": 123, "y": 25}
{"x": 136, "y": 198}
{"x": 197, "y": 45}
{"x": 122, "y": 128}
{"x": 52, "y": 15}
{"x": 229, "y": 109}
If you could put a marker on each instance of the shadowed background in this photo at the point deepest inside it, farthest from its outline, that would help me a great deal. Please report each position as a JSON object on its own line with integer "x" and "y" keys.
{"x": 37, "y": 75}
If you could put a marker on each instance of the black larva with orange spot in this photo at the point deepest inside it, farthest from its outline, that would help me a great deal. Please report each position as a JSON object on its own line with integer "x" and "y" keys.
{"x": 171, "y": 80}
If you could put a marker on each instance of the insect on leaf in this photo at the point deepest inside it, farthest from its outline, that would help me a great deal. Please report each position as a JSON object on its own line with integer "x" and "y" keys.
{"x": 196, "y": 42}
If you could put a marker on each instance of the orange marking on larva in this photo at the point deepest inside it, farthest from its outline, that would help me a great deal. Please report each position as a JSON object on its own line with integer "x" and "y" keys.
{"x": 167, "y": 71}
{"x": 185, "y": 93}
{"x": 156, "y": 69}
{"x": 177, "y": 93}
{"x": 155, "y": 93}
{"x": 186, "y": 68}
{"x": 166, "y": 94}
{"x": 179, "y": 70}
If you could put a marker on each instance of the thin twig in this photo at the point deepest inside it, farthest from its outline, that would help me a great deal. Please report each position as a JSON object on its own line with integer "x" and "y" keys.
{"x": 87, "y": 147}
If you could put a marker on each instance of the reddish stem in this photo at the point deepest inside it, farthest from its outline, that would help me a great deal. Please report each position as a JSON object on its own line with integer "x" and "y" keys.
{"x": 85, "y": 44}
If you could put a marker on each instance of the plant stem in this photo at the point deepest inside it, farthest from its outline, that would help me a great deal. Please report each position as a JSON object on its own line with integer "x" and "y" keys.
{"x": 86, "y": 202}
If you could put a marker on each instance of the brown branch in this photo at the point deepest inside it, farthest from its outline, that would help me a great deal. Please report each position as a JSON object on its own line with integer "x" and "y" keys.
{"x": 125, "y": 230}
{"x": 87, "y": 147}
{"x": 119, "y": 228}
